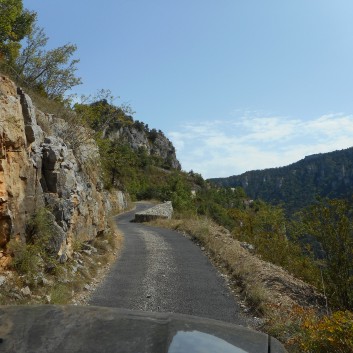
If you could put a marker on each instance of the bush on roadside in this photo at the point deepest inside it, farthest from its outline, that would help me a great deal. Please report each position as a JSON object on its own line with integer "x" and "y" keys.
{"x": 333, "y": 333}
{"x": 27, "y": 259}
{"x": 35, "y": 255}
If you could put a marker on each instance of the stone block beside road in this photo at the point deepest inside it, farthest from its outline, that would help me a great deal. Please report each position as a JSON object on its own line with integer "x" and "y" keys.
{"x": 162, "y": 210}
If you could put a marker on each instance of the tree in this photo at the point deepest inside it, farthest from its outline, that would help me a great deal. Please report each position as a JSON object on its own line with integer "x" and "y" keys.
{"x": 99, "y": 112}
{"x": 178, "y": 191}
{"x": 36, "y": 41}
{"x": 119, "y": 162}
{"x": 262, "y": 225}
{"x": 331, "y": 223}
{"x": 15, "y": 24}
{"x": 51, "y": 71}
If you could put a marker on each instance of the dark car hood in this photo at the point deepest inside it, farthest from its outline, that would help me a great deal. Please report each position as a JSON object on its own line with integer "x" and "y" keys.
{"x": 50, "y": 328}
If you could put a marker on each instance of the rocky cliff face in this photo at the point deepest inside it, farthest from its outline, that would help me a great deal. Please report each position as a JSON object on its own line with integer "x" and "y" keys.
{"x": 154, "y": 142}
{"x": 40, "y": 170}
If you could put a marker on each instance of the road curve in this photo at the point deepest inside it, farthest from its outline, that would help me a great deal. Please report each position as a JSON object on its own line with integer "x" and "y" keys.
{"x": 160, "y": 270}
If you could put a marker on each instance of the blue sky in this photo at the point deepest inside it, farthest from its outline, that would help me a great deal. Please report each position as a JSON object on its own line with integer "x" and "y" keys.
{"x": 235, "y": 84}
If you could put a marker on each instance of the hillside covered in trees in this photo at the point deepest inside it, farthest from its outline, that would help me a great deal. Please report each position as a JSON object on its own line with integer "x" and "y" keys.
{"x": 297, "y": 185}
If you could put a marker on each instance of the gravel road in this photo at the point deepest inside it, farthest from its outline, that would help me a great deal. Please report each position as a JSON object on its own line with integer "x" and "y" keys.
{"x": 160, "y": 270}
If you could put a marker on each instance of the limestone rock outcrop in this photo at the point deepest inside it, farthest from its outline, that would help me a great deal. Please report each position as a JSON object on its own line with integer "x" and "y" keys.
{"x": 154, "y": 142}
{"x": 39, "y": 170}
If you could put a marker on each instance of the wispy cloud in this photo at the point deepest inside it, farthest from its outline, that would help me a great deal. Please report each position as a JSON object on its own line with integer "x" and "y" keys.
{"x": 223, "y": 148}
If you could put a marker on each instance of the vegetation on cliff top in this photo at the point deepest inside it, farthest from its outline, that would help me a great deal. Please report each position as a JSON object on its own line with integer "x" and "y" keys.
{"x": 296, "y": 186}
{"x": 52, "y": 72}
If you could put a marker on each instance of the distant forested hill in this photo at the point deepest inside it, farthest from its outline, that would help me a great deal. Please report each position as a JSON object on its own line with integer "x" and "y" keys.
{"x": 297, "y": 185}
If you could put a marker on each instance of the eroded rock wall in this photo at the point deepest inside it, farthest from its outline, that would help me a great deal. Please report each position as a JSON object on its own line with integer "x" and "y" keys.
{"x": 39, "y": 170}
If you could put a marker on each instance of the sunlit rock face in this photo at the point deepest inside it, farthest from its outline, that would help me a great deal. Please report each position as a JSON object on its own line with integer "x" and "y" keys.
{"x": 39, "y": 170}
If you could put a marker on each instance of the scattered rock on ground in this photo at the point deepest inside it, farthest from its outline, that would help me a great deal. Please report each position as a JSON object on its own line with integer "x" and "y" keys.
{"x": 26, "y": 291}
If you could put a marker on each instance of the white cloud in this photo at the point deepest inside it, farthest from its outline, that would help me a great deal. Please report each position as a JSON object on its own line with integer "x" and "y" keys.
{"x": 223, "y": 148}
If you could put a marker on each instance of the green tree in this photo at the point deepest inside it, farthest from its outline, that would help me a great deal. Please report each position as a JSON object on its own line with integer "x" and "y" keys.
{"x": 119, "y": 162}
{"x": 262, "y": 225}
{"x": 265, "y": 227}
{"x": 15, "y": 23}
{"x": 217, "y": 202}
{"x": 331, "y": 223}
{"x": 178, "y": 191}
{"x": 52, "y": 71}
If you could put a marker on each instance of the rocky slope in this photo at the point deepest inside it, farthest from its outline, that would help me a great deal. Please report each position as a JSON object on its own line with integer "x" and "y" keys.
{"x": 39, "y": 170}
{"x": 153, "y": 142}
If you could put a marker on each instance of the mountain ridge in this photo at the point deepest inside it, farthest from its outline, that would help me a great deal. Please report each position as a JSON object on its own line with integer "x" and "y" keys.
{"x": 298, "y": 184}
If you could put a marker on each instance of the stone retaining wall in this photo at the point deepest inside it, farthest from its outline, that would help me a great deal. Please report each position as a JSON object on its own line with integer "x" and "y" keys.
{"x": 163, "y": 210}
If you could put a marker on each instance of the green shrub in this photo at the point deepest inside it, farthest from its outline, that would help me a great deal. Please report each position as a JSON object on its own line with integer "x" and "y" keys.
{"x": 265, "y": 227}
{"x": 61, "y": 293}
{"x": 36, "y": 253}
{"x": 328, "y": 334}
{"x": 330, "y": 223}
{"x": 27, "y": 258}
